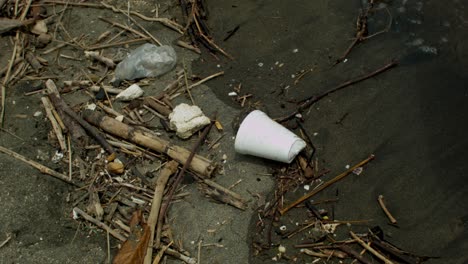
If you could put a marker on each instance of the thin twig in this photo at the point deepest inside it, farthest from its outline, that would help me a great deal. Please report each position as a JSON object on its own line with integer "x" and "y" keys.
{"x": 98, "y": 223}
{"x": 104, "y": 46}
{"x": 370, "y": 249}
{"x": 9, "y": 236}
{"x": 326, "y": 185}
{"x": 309, "y": 101}
{"x": 392, "y": 219}
{"x": 6, "y": 79}
{"x": 38, "y": 166}
{"x": 180, "y": 175}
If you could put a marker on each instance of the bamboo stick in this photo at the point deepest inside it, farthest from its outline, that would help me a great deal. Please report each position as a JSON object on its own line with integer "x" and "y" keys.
{"x": 169, "y": 169}
{"x": 200, "y": 165}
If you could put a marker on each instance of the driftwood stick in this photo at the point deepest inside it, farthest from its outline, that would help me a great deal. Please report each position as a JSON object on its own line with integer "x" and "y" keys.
{"x": 200, "y": 165}
{"x": 225, "y": 195}
{"x": 168, "y": 169}
{"x": 392, "y": 219}
{"x": 38, "y": 166}
{"x": 165, "y": 21}
{"x": 109, "y": 45}
{"x": 326, "y": 185}
{"x": 100, "y": 224}
{"x": 55, "y": 125}
{"x": 160, "y": 254}
{"x": 178, "y": 179}
{"x": 186, "y": 165}
{"x": 6, "y": 80}
{"x": 181, "y": 256}
{"x": 309, "y": 101}
{"x": 95, "y": 56}
{"x": 370, "y": 249}
{"x": 163, "y": 110}
{"x": 59, "y": 103}
{"x": 356, "y": 255}
{"x": 108, "y": 89}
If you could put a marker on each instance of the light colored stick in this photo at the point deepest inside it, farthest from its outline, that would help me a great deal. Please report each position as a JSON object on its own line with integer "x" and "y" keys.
{"x": 95, "y": 55}
{"x": 98, "y": 223}
{"x": 206, "y": 79}
{"x": 108, "y": 89}
{"x": 6, "y": 79}
{"x": 70, "y": 165}
{"x": 103, "y": 46}
{"x": 59, "y": 120}
{"x": 386, "y": 211}
{"x": 160, "y": 254}
{"x": 188, "y": 46}
{"x": 199, "y": 82}
{"x": 38, "y": 166}
{"x": 129, "y": 29}
{"x": 55, "y": 125}
{"x": 168, "y": 169}
{"x": 181, "y": 256}
{"x": 370, "y": 249}
{"x": 9, "y": 236}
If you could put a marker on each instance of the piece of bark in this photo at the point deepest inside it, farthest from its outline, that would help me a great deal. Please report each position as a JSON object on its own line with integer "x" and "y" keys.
{"x": 199, "y": 164}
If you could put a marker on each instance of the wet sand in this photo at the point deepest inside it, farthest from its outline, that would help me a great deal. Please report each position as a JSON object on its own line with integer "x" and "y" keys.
{"x": 413, "y": 117}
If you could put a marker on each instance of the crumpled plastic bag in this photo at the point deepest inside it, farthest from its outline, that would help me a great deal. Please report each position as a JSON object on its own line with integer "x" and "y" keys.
{"x": 147, "y": 60}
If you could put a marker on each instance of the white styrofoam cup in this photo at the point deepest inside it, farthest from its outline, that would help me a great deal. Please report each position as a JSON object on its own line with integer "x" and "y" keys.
{"x": 260, "y": 136}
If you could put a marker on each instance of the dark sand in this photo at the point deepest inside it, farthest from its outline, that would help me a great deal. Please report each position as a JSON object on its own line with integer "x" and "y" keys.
{"x": 413, "y": 117}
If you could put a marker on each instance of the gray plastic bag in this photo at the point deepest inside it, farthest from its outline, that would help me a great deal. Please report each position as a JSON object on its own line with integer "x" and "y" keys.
{"x": 147, "y": 60}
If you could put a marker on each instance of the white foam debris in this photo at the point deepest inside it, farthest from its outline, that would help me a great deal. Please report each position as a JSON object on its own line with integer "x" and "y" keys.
{"x": 187, "y": 119}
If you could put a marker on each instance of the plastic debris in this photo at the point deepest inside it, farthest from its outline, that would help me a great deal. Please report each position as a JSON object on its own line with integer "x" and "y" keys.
{"x": 261, "y": 136}
{"x": 187, "y": 119}
{"x": 147, "y": 60}
{"x": 132, "y": 92}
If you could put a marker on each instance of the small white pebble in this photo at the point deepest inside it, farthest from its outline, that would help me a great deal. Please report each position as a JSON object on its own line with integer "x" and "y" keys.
{"x": 283, "y": 228}
{"x": 232, "y": 94}
{"x": 282, "y": 249}
{"x": 91, "y": 107}
{"x": 295, "y": 50}
{"x": 347, "y": 166}
{"x": 281, "y": 65}
{"x": 260, "y": 64}
{"x": 276, "y": 63}
{"x": 219, "y": 66}
{"x": 298, "y": 115}
{"x": 119, "y": 118}
{"x": 37, "y": 114}
{"x": 345, "y": 60}
{"x": 75, "y": 215}
{"x": 315, "y": 134}
{"x": 293, "y": 76}
{"x": 306, "y": 187}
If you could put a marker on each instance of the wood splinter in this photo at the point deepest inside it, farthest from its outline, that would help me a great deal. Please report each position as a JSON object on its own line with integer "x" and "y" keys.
{"x": 392, "y": 219}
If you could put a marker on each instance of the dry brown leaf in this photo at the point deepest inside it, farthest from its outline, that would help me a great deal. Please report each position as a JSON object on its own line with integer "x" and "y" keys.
{"x": 133, "y": 250}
